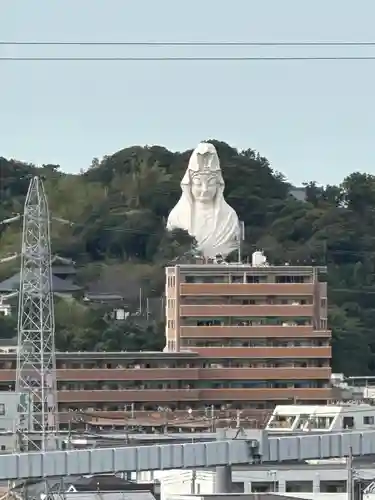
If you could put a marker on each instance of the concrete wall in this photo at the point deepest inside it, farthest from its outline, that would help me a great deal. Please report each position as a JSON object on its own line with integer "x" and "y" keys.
{"x": 8, "y": 419}
{"x": 183, "y": 483}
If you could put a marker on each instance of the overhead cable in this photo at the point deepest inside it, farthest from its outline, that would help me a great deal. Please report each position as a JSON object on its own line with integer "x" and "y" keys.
{"x": 191, "y": 44}
{"x": 192, "y": 59}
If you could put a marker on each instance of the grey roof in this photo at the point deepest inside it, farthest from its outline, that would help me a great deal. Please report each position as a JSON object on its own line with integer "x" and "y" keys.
{"x": 105, "y": 297}
{"x": 8, "y": 342}
{"x": 104, "y": 482}
{"x": 36, "y": 486}
{"x": 58, "y": 285}
{"x": 63, "y": 270}
{"x": 107, "y": 495}
{"x": 127, "y": 490}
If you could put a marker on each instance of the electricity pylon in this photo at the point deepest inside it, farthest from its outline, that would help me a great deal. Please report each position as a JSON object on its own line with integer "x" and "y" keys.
{"x": 36, "y": 361}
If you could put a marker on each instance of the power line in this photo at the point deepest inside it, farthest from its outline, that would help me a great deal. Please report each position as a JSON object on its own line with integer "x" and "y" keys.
{"x": 195, "y": 44}
{"x": 192, "y": 59}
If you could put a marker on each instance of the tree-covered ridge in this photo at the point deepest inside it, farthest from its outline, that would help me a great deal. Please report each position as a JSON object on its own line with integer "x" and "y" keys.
{"x": 119, "y": 207}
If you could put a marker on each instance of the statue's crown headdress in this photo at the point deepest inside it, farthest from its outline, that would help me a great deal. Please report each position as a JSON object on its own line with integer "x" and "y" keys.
{"x": 204, "y": 159}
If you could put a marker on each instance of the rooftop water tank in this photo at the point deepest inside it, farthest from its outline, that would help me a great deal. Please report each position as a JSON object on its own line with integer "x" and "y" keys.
{"x": 258, "y": 259}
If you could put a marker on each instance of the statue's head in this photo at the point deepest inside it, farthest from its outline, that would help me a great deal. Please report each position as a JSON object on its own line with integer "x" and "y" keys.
{"x": 204, "y": 174}
{"x": 202, "y": 209}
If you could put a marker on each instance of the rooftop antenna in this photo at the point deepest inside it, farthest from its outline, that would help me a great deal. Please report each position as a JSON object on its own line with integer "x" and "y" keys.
{"x": 36, "y": 362}
{"x": 241, "y": 240}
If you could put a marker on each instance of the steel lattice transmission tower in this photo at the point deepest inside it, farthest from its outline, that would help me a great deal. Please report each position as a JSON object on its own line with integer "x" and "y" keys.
{"x": 36, "y": 361}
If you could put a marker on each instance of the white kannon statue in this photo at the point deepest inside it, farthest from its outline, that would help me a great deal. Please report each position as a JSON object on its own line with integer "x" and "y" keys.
{"x": 202, "y": 209}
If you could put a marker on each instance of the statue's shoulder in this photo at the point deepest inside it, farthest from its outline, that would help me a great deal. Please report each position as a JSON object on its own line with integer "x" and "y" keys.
{"x": 231, "y": 211}
{"x": 177, "y": 218}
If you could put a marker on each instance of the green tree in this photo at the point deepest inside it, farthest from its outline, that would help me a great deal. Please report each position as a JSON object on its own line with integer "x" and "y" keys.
{"x": 119, "y": 207}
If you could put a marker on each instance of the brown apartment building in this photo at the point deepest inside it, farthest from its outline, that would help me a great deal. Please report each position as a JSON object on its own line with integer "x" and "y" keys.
{"x": 264, "y": 328}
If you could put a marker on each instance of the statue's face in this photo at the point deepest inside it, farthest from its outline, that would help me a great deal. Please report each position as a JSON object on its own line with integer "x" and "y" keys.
{"x": 204, "y": 187}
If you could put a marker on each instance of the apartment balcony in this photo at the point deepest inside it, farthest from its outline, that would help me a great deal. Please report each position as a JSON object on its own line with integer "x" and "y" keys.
{"x": 264, "y": 352}
{"x": 113, "y": 375}
{"x": 191, "y": 395}
{"x": 268, "y": 373}
{"x": 243, "y": 311}
{"x": 128, "y": 374}
{"x": 247, "y": 289}
{"x": 129, "y": 396}
{"x": 254, "y": 331}
{"x": 288, "y": 395}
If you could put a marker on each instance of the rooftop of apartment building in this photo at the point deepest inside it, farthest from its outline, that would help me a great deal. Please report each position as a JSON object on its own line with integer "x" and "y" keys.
{"x": 241, "y": 267}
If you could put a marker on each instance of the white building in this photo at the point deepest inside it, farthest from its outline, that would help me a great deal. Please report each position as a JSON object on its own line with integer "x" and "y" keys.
{"x": 318, "y": 482}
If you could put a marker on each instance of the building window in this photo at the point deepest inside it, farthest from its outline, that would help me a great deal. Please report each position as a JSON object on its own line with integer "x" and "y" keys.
{"x": 250, "y": 278}
{"x": 298, "y": 486}
{"x": 290, "y": 279}
{"x": 2, "y": 409}
{"x": 333, "y": 486}
{"x": 348, "y": 423}
{"x": 368, "y": 420}
{"x": 264, "y": 486}
{"x": 238, "y": 279}
{"x": 248, "y": 302}
{"x": 171, "y": 345}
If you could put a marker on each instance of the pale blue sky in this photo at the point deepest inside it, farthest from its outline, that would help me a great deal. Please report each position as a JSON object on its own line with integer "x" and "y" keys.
{"x": 312, "y": 120}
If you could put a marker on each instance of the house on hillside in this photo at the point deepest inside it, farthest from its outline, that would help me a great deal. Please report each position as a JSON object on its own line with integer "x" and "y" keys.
{"x": 66, "y": 273}
{"x": 62, "y": 284}
{"x": 59, "y": 285}
{"x": 124, "y": 295}
{"x": 8, "y": 345}
{"x": 299, "y": 193}
{"x": 5, "y": 308}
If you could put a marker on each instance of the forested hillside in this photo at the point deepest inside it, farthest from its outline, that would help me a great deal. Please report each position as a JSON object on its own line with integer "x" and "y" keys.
{"x": 119, "y": 206}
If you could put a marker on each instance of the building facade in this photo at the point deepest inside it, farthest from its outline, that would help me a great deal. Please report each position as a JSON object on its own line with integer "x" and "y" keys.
{"x": 302, "y": 481}
{"x": 138, "y": 387}
{"x": 8, "y": 417}
{"x": 156, "y": 389}
{"x": 264, "y": 327}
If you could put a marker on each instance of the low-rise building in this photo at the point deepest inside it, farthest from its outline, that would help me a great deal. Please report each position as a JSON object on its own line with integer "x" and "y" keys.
{"x": 8, "y": 418}
{"x": 160, "y": 388}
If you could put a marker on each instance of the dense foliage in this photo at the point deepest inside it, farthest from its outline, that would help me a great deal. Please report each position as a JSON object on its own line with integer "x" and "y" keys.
{"x": 119, "y": 207}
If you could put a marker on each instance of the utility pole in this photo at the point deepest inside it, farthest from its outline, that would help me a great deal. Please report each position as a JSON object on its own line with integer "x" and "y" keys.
{"x": 241, "y": 239}
{"x": 193, "y": 481}
{"x": 36, "y": 362}
{"x": 210, "y": 413}
{"x": 349, "y": 463}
